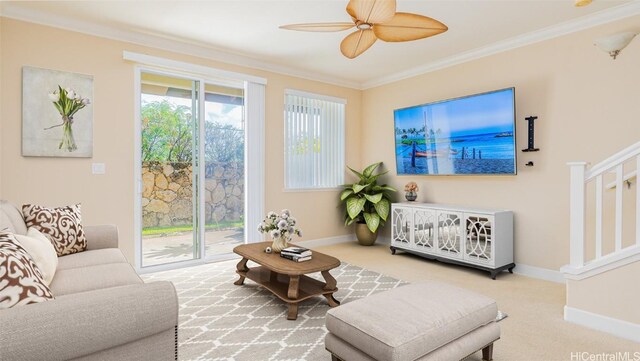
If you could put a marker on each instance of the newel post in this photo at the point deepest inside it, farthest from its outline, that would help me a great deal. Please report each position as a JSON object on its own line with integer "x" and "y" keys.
{"x": 577, "y": 213}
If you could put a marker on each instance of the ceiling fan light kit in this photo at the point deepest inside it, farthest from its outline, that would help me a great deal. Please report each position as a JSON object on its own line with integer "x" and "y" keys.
{"x": 373, "y": 20}
{"x": 580, "y": 3}
{"x": 613, "y": 44}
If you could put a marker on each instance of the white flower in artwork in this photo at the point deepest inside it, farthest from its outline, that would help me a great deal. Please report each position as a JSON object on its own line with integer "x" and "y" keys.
{"x": 299, "y": 232}
{"x": 275, "y": 234}
{"x": 286, "y": 211}
{"x": 282, "y": 224}
{"x": 86, "y": 101}
{"x": 292, "y": 221}
{"x": 54, "y": 97}
{"x": 67, "y": 102}
{"x": 272, "y": 215}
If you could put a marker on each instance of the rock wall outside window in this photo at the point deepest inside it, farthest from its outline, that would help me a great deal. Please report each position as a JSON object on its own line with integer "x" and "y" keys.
{"x": 167, "y": 193}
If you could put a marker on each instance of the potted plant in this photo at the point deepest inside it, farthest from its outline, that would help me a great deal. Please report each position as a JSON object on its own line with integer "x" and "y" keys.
{"x": 411, "y": 191}
{"x": 367, "y": 204}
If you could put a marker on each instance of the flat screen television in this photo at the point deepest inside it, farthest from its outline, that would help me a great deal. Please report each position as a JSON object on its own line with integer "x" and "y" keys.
{"x": 472, "y": 135}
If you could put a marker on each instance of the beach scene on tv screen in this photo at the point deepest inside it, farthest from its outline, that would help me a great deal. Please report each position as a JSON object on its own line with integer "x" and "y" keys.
{"x": 472, "y": 135}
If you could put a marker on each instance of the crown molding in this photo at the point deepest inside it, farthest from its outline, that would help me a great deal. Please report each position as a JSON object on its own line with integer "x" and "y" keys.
{"x": 601, "y": 17}
{"x": 175, "y": 45}
{"x": 205, "y": 51}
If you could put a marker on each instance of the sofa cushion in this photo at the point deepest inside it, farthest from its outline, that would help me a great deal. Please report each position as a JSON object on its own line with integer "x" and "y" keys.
{"x": 75, "y": 280}
{"x": 63, "y": 226}
{"x": 91, "y": 258}
{"x": 41, "y": 250}
{"x": 411, "y": 321}
{"x": 11, "y": 218}
{"x": 21, "y": 282}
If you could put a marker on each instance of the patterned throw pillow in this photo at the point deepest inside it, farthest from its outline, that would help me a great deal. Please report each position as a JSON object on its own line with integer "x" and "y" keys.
{"x": 21, "y": 282}
{"x": 61, "y": 225}
{"x": 41, "y": 251}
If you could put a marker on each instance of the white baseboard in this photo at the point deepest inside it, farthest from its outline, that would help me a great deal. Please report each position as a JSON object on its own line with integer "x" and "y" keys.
{"x": 319, "y": 242}
{"x": 384, "y": 240}
{"x": 614, "y": 326}
{"x": 340, "y": 239}
{"x": 521, "y": 269}
{"x": 540, "y": 273}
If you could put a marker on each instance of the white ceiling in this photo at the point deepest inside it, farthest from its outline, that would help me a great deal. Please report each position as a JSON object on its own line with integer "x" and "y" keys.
{"x": 250, "y": 29}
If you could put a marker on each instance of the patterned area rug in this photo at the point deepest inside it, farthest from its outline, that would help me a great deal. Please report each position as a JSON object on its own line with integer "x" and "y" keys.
{"x": 221, "y": 321}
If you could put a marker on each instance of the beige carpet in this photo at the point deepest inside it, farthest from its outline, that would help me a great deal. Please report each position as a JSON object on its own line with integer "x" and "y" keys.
{"x": 535, "y": 329}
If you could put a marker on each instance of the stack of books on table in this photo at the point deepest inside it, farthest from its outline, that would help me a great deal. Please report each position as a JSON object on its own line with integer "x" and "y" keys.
{"x": 297, "y": 254}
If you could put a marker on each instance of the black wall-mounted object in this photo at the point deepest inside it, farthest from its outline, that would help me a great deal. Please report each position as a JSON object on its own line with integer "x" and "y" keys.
{"x": 531, "y": 147}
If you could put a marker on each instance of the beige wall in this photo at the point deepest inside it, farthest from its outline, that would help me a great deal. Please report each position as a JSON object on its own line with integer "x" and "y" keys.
{"x": 587, "y": 104}
{"x": 1, "y": 131}
{"x": 109, "y": 198}
{"x": 613, "y": 293}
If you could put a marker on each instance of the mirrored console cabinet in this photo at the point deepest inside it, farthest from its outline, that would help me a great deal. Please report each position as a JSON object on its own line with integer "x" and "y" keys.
{"x": 473, "y": 237}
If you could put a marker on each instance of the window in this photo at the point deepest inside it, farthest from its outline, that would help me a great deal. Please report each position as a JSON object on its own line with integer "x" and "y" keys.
{"x": 314, "y": 140}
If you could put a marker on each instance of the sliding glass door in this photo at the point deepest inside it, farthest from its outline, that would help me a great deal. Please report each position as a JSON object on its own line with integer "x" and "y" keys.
{"x": 224, "y": 185}
{"x": 192, "y": 169}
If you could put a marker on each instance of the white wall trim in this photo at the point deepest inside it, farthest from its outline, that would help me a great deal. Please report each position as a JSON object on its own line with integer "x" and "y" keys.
{"x": 602, "y": 17}
{"x": 254, "y": 160}
{"x": 182, "y": 46}
{"x": 346, "y": 238}
{"x": 539, "y": 273}
{"x": 614, "y": 326}
{"x": 202, "y": 70}
{"x": 206, "y": 51}
{"x": 328, "y": 241}
{"x": 521, "y": 269}
{"x": 137, "y": 170}
{"x": 315, "y": 96}
{"x": 384, "y": 240}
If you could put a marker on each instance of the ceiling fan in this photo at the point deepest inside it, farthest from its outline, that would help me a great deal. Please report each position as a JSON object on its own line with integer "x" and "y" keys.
{"x": 376, "y": 19}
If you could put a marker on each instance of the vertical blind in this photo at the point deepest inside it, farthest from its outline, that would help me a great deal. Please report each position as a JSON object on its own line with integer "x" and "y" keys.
{"x": 314, "y": 140}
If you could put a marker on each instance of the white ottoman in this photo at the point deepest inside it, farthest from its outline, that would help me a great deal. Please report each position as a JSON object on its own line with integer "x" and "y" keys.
{"x": 420, "y": 321}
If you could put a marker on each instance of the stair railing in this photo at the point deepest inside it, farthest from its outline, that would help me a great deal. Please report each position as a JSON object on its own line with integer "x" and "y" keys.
{"x": 580, "y": 177}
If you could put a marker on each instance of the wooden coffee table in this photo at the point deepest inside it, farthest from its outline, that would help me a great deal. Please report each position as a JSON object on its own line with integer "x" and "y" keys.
{"x": 285, "y": 278}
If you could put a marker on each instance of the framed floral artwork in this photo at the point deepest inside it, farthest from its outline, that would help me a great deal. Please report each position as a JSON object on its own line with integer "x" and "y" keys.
{"x": 57, "y": 113}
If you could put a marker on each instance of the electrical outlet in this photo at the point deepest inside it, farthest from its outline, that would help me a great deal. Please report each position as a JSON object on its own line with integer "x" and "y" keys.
{"x": 98, "y": 168}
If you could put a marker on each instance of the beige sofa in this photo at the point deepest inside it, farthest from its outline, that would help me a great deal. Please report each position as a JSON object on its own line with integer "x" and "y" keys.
{"x": 102, "y": 310}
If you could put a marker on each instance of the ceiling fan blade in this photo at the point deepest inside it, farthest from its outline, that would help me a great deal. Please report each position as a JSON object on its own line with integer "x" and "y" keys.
{"x": 407, "y": 26}
{"x": 372, "y": 11}
{"x": 357, "y": 43}
{"x": 324, "y": 27}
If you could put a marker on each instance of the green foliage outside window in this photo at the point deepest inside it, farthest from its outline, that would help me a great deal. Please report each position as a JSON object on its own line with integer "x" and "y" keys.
{"x": 167, "y": 136}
